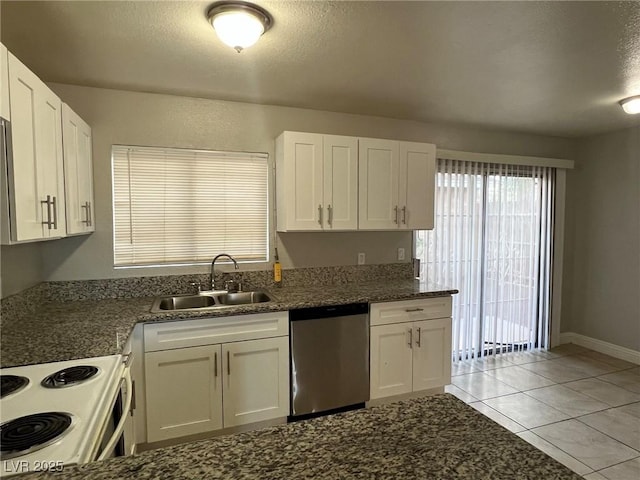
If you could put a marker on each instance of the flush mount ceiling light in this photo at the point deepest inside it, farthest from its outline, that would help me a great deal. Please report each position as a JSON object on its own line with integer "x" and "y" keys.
{"x": 631, "y": 105}
{"x": 239, "y": 24}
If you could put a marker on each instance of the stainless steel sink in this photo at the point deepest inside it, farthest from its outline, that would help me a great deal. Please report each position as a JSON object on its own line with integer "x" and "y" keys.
{"x": 209, "y": 300}
{"x": 243, "y": 298}
{"x": 184, "y": 302}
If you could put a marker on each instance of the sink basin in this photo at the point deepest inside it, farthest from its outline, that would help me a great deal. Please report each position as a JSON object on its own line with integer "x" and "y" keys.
{"x": 242, "y": 298}
{"x": 209, "y": 300}
{"x": 183, "y": 302}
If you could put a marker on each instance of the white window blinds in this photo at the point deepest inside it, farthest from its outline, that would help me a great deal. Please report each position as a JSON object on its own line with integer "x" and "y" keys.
{"x": 180, "y": 206}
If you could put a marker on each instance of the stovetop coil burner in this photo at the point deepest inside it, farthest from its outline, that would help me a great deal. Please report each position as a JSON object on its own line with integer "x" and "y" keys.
{"x": 30, "y": 433}
{"x": 12, "y": 383}
{"x": 70, "y": 376}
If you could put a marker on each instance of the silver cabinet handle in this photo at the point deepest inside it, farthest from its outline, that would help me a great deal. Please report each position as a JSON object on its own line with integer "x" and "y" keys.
{"x": 330, "y": 214}
{"x": 410, "y": 343}
{"x": 228, "y": 363}
{"x": 87, "y": 207}
{"x": 320, "y": 214}
{"x": 419, "y": 337}
{"x": 395, "y": 210}
{"x": 215, "y": 364}
{"x": 48, "y": 223}
{"x": 55, "y": 213}
{"x": 409, "y": 310}
{"x": 404, "y": 215}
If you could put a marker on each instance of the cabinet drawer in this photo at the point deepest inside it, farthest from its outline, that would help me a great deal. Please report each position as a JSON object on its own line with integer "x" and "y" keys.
{"x": 211, "y": 331}
{"x": 410, "y": 310}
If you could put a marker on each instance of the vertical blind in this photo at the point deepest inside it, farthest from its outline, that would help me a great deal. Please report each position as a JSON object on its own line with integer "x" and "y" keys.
{"x": 177, "y": 206}
{"x": 493, "y": 241}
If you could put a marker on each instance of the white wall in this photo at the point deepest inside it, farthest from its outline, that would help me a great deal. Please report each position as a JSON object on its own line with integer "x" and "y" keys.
{"x": 119, "y": 117}
{"x": 20, "y": 267}
{"x": 601, "y": 295}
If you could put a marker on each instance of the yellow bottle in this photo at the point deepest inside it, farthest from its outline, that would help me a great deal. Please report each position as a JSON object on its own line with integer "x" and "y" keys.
{"x": 277, "y": 270}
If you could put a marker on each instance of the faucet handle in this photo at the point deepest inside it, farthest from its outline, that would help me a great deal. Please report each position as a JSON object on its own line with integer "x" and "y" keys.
{"x": 231, "y": 286}
{"x": 197, "y": 286}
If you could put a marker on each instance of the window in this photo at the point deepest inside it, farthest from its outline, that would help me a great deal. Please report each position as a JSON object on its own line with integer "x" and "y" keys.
{"x": 179, "y": 206}
{"x": 493, "y": 242}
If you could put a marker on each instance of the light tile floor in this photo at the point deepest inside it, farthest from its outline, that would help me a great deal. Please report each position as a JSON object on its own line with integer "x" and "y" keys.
{"x": 579, "y": 406}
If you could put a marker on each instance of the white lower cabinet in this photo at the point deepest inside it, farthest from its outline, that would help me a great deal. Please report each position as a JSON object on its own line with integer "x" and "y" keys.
{"x": 410, "y": 346}
{"x": 198, "y": 389}
{"x": 256, "y": 380}
{"x": 184, "y": 392}
{"x": 391, "y": 361}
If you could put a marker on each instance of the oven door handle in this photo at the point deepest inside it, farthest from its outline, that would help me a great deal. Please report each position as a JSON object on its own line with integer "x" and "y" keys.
{"x": 120, "y": 427}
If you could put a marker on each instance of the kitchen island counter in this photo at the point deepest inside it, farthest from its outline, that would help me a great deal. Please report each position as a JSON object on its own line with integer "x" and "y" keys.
{"x": 436, "y": 437}
{"x": 58, "y": 331}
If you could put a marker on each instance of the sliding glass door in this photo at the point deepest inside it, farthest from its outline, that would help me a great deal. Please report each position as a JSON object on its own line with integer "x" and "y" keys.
{"x": 492, "y": 241}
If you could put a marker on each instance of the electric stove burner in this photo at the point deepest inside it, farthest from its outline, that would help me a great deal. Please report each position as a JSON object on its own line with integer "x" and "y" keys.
{"x": 70, "y": 376}
{"x": 11, "y": 383}
{"x": 27, "y": 434}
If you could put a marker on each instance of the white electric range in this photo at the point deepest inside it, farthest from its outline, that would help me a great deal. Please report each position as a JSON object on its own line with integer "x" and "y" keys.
{"x": 62, "y": 413}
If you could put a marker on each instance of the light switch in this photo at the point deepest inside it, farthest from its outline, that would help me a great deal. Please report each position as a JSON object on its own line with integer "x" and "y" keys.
{"x": 400, "y": 253}
{"x": 361, "y": 259}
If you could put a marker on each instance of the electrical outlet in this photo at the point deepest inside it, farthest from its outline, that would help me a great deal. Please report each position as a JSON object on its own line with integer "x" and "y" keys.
{"x": 400, "y": 253}
{"x": 361, "y": 259}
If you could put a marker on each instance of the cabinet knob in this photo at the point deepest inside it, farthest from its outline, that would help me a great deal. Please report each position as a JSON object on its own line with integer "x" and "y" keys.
{"x": 404, "y": 215}
{"x": 395, "y": 214}
{"x": 320, "y": 214}
{"x": 410, "y": 342}
{"x": 419, "y": 336}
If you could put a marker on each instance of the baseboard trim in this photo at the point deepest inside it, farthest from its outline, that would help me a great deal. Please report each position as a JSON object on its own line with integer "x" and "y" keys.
{"x": 607, "y": 348}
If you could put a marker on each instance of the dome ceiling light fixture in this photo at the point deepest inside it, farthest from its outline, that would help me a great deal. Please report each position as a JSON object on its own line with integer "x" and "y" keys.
{"x": 239, "y": 24}
{"x": 631, "y": 105}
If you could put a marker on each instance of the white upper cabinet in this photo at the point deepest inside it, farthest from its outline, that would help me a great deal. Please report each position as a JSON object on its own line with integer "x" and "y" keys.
{"x": 5, "y": 112}
{"x": 378, "y": 185}
{"x": 34, "y": 178}
{"x": 340, "y": 178}
{"x": 299, "y": 181}
{"x": 417, "y": 185}
{"x": 316, "y": 182}
{"x": 397, "y": 185}
{"x": 339, "y": 183}
{"x": 78, "y": 173}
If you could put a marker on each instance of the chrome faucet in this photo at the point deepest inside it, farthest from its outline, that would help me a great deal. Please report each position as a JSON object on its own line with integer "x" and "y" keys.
{"x": 213, "y": 266}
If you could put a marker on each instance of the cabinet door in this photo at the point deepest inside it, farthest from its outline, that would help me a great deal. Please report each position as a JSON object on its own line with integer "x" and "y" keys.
{"x": 431, "y": 353}
{"x": 378, "y": 166}
{"x": 183, "y": 392}
{"x": 300, "y": 185}
{"x": 78, "y": 172}
{"x": 5, "y": 112}
{"x": 36, "y": 173}
{"x": 391, "y": 360}
{"x": 417, "y": 185}
{"x": 340, "y": 182}
{"x": 256, "y": 380}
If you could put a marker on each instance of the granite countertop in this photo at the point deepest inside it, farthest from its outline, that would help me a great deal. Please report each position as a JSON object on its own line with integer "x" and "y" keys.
{"x": 60, "y": 331}
{"x": 437, "y": 437}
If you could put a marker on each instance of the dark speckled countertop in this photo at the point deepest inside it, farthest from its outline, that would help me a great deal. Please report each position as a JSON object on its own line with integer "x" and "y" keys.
{"x": 60, "y": 331}
{"x": 436, "y": 437}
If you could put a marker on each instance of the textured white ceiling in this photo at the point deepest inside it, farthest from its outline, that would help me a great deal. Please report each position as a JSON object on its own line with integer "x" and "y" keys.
{"x": 545, "y": 67}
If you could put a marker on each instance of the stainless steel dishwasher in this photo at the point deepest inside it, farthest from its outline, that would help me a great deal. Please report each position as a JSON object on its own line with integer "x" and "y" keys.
{"x": 329, "y": 358}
